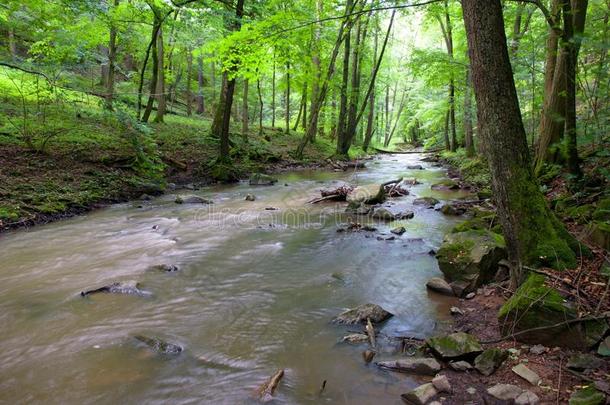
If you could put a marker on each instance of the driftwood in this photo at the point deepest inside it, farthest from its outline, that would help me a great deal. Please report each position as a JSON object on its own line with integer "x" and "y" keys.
{"x": 338, "y": 194}
{"x": 265, "y": 392}
{"x": 368, "y": 356}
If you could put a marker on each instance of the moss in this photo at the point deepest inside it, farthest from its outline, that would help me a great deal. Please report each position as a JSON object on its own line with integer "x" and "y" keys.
{"x": 580, "y": 213}
{"x": 532, "y": 295}
{"x": 587, "y": 396}
{"x": 9, "y": 213}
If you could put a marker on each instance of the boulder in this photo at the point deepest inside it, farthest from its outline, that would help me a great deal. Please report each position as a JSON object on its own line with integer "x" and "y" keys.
{"x": 587, "y": 396}
{"x": 527, "y": 398}
{"x": 192, "y": 199}
{"x": 455, "y": 346}
{"x": 367, "y": 194}
{"x": 505, "y": 392}
{"x": 490, "y": 360}
{"x": 361, "y": 313}
{"x": 441, "y": 383}
{"x": 159, "y": 346}
{"x": 452, "y": 210}
{"x": 604, "y": 348}
{"x": 460, "y": 365}
{"x": 447, "y": 184}
{"x": 260, "y": 179}
{"x": 250, "y": 197}
{"x": 528, "y": 375}
{"x": 429, "y": 201}
{"x": 439, "y": 285}
{"x": 470, "y": 259}
{"x": 387, "y": 214}
{"x": 420, "y": 395}
{"x": 358, "y": 208}
{"x": 533, "y": 305}
{"x": 415, "y": 167}
{"x": 584, "y": 361}
{"x": 599, "y": 233}
{"x": 399, "y": 230}
{"x": 423, "y": 366}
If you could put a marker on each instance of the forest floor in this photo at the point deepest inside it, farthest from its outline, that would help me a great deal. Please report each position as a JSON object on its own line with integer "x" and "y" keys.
{"x": 586, "y": 286}
{"x": 81, "y": 159}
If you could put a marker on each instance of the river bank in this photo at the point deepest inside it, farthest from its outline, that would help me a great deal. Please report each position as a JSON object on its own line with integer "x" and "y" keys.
{"x": 92, "y": 169}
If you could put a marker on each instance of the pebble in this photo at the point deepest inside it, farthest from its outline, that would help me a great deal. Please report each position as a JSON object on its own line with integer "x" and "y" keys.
{"x": 471, "y": 390}
{"x": 456, "y": 311}
{"x": 470, "y": 296}
{"x": 538, "y": 349}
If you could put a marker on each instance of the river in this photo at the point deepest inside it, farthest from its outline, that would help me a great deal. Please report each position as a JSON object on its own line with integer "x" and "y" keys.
{"x": 255, "y": 292}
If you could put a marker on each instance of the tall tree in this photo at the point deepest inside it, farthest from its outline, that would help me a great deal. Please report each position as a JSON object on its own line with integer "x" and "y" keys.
{"x": 533, "y": 234}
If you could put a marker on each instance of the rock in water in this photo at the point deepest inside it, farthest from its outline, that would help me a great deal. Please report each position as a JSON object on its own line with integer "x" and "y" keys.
{"x": 470, "y": 259}
{"x": 490, "y": 360}
{"x": 367, "y": 194}
{"x": 361, "y": 313}
{"x": 429, "y": 201}
{"x": 250, "y": 197}
{"x": 129, "y": 288}
{"x": 355, "y": 338}
{"x": 534, "y": 305}
{"x": 439, "y": 285}
{"x": 192, "y": 199}
{"x": 167, "y": 268}
{"x": 384, "y": 214}
{"x": 423, "y": 366}
{"x": 259, "y": 179}
{"x": 455, "y": 346}
{"x": 159, "y": 346}
{"x": 399, "y": 230}
{"x": 415, "y": 167}
{"x": 420, "y": 395}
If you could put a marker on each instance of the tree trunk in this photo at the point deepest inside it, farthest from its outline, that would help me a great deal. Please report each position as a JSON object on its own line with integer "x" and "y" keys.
{"x": 553, "y": 120}
{"x": 287, "y": 97}
{"x": 317, "y": 74}
{"x": 200, "y": 83}
{"x": 371, "y": 116}
{"x": 161, "y": 99}
{"x": 155, "y": 68}
{"x": 273, "y": 95}
{"x": 112, "y": 49}
{"x": 189, "y": 79}
{"x": 533, "y": 235}
{"x": 341, "y": 124}
{"x": 261, "y": 105}
{"x": 468, "y": 131}
{"x": 222, "y": 119}
{"x": 244, "y": 123}
{"x": 446, "y": 132}
{"x": 12, "y": 45}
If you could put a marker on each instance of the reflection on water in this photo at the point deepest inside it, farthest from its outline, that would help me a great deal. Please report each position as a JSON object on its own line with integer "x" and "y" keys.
{"x": 255, "y": 293}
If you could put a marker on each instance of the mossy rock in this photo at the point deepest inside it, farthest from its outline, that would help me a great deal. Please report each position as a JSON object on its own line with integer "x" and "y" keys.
{"x": 260, "y": 179}
{"x": 587, "y": 396}
{"x": 455, "y": 346}
{"x": 470, "y": 259}
{"x": 483, "y": 222}
{"x": 490, "y": 360}
{"x": 534, "y": 305}
{"x": 599, "y": 233}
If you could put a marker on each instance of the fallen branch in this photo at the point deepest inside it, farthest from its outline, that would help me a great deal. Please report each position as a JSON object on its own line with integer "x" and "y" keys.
{"x": 370, "y": 331}
{"x": 266, "y": 391}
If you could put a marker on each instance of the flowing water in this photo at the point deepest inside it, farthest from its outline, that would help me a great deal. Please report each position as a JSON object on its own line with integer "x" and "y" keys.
{"x": 255, "y": 292}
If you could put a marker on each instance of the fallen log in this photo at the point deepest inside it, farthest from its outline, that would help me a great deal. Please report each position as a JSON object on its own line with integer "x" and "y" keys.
{"x": 265, "y": 392}
{"x": 338, "y": 194}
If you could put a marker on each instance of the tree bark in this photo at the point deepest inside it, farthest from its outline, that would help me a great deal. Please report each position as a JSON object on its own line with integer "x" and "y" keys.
{"x": 161, "y": 99}
{"x": 155, "y": 68}
{"x": 533, "y": 235}
{"x": 341, "y": 124}
{"x": 287, "y": 129}
{"x": 200, "y": 84}
{"x": 273, "y": 95}
{"x": 261, "y": 106}
{"x": 468, "y": 130}
{"x": 189, "y": 79}
{"x": 371, "y": 101}
{"x": 244, "y": 123}
{"x": 112, "y": 50}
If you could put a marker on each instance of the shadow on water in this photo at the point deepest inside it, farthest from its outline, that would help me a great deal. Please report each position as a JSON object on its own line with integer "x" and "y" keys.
{"x": 255, "y": 292}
